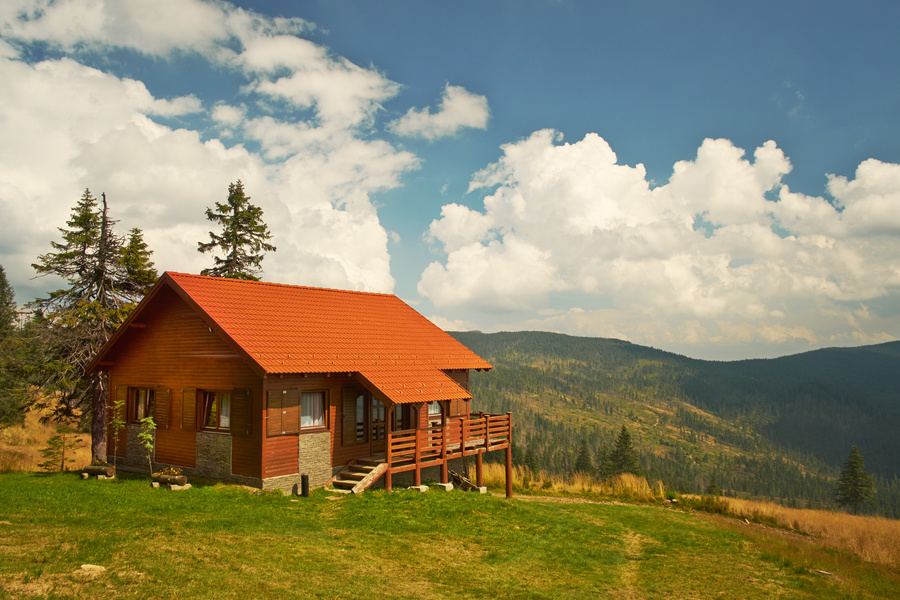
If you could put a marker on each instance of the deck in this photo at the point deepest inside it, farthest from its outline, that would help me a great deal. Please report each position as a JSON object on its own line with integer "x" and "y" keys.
{"x": 415, "y": 449}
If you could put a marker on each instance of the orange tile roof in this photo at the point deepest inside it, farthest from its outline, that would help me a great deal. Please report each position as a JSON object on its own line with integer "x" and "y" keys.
{"x": 295, "y": 329}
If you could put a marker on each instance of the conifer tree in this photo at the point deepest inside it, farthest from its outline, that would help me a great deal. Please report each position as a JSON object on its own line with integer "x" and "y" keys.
{"x": 243, "y": 240}
{"x": 583, "y": 462}
{"x": 10, "y": 401}
{"x": 623, "y": 458}
{"x": 854, "y": 486}
{"x": 7, "y": 306}
{"x": 73, "y": 323}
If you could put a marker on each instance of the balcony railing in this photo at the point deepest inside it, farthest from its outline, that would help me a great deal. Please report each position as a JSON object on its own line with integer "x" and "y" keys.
{"x": 414, "y": 449}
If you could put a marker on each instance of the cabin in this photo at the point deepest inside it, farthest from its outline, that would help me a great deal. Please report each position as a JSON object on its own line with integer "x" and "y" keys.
{"x": 277, "y": 386}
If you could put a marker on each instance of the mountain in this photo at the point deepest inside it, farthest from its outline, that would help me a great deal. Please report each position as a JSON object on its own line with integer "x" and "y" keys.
{"x": 778, "y": 428}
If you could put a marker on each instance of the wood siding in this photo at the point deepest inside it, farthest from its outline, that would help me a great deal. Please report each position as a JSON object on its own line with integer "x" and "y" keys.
{"x": 172, "y": 348}
{"x": 459, "y": 407}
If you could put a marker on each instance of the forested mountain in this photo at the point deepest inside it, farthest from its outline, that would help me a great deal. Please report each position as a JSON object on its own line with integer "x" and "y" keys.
{"x": 777, "y": 428}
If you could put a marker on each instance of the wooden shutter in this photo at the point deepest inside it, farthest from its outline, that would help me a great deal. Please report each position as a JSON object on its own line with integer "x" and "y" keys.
{"x": 189, "y": 409}
{"x": 162, "y": 409}
{"x": 241, "y": 413}
{"x": 348, "y": 420}
{"x": 273, "y": 413}
{"x": 290, "y": 411}
{"x": 121, "y": 397}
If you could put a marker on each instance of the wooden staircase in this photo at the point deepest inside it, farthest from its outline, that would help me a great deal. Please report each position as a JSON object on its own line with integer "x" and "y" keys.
{"x": 357, "y": 476}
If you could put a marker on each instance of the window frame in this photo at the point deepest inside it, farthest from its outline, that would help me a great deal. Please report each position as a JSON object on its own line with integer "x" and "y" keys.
{"x": 324, "y": 411}
{"x": 147, "y": 403}
{"x": 276, "y": 411}
{"x": 203, "y": 415}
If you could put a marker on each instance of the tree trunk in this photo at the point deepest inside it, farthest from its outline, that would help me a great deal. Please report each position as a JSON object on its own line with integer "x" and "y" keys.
{"x": 98, "y": 417}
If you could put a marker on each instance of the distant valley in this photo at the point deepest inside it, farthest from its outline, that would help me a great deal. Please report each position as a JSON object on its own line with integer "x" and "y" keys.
{"x": 774, "y": 428}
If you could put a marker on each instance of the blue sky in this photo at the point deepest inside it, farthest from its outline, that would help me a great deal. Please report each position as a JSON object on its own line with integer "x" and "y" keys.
{"x": 714, "y": 179}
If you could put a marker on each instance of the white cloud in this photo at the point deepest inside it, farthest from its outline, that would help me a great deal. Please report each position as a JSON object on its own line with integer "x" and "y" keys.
{"x": 65, "y": 126}
{"x": 705, "y": 257}
{"x": 459, "y": 108}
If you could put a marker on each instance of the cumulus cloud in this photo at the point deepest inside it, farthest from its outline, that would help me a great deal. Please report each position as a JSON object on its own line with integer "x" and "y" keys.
{"x": 65, "y": 126}
{"x": 459, "y": 108}
{"x": 708, "y": 256}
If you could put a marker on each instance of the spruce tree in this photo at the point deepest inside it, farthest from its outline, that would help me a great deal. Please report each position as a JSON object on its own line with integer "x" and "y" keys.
{"x": 623, "y": 458}
{"x": 583, "y": 462}
{"x": 243, "y": 240}
{"x": 74, "y": 322}
{"x": 854, "y": 486}
{"x": 7, "y": 306}
{"x": 10, "y": 400}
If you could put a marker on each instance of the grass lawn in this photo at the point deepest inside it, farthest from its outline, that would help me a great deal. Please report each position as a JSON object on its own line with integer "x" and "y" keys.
{"x": 228, "y": 542}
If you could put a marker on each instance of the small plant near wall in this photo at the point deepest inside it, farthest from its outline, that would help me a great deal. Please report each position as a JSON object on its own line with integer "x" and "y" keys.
{"x": 146, "y": 438}
{"x": 116, "y": 424}
{"x": 60, "y": 450}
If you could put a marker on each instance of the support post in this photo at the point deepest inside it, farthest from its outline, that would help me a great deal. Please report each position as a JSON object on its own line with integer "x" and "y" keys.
{"x": 479, "y": 473}
{"x": 389, "y": 431}
{"x": 445, "y": 434}
{"x": 509, "y": 486}
{"x": 417, "y": 476}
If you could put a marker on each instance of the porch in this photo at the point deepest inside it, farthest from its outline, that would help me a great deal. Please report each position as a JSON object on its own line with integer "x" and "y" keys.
{"x": 434, "y": 446}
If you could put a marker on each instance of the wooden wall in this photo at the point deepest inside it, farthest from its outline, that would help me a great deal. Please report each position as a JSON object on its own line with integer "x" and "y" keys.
{"x": 459, "y": 407}
{"x": 171, "y": 347}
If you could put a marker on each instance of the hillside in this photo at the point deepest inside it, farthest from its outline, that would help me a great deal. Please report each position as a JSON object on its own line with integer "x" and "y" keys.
{"x": 777, "y": 428}
{"x": 216, "y": 541}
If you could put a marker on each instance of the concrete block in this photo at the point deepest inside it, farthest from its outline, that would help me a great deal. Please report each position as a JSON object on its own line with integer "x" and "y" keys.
{"x": 447, "y": 487}
{"x": 481, "y": 490}
{"x": 418, "y": 488}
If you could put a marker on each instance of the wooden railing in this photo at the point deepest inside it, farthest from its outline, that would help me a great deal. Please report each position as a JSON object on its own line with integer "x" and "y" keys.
{"x": 460, "y": 436}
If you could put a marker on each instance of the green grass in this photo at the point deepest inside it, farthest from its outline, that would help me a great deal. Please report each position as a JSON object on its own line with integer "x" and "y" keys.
{"x": 227, "y": 542}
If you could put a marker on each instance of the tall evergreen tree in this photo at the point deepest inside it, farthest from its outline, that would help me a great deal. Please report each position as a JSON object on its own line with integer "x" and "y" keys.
{"x": 243, "y": 240}
{"x": 7, "y": 306}
{"x": 10, "y": 400}
{"x": 583, "y": 463}
{"x": 854, "y": 486}
{"x": 105, "y": 283}
{"x": 623, "y": 457}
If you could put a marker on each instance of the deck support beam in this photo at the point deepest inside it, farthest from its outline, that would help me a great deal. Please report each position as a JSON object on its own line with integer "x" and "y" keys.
{"x": 479, "y": 471}
{"x": 509, "y": 486}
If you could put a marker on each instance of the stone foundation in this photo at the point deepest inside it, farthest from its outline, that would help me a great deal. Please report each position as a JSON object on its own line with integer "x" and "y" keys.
{"x": 214, "y": 455}
{"x": 314, "y": 460}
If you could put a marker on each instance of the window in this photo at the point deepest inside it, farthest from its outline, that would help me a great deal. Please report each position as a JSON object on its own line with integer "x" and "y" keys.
{"x": 290, "y": 411}
{"x": 215, "y": 410}
{"x": 434, "y": 409}
{"x": 141, "y": 404}
{"x": 377, "y": 419}
{"x": 312, "y": 410}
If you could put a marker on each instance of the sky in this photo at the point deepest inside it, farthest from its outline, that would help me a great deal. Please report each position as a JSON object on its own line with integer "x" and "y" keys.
{"x": 719, "y": 180}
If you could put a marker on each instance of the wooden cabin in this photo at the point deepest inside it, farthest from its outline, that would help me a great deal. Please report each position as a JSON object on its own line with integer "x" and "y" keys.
{"x": 262, "y": 384}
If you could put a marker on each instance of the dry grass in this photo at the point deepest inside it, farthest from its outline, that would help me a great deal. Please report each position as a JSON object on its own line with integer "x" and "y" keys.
{"x": 20, "y": 447}
{"x": 624, "y": 486}
{"x": 873, "y": 539}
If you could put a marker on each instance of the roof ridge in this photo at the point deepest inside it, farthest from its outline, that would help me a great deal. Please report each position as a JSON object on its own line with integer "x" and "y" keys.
{"x": 176, "y": 275}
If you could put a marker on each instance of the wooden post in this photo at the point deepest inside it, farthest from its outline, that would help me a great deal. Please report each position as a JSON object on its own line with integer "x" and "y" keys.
{"x": 445, "y": 477}
{"x": 479, "y": 473}
{"x": 417, "y": 478}
{"x": 509, "y": 486}
{"x": 389, "y": 431}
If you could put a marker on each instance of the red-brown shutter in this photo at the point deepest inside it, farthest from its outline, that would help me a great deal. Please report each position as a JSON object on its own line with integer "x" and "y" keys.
{"x": 273, "y": 413}
{"x": 162, "y": 409}
{"x": 348, "y": 420}
{"x": 290, "y": 411}
{"x": 189, "y": 409}
{"x": 241, "y": 413}
{"x": 121, "y": 397}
